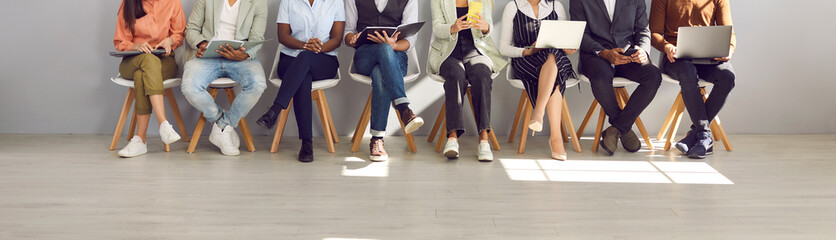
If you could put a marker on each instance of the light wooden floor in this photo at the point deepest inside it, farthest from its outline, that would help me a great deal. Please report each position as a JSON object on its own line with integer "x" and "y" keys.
{"x": 71, "y": 187}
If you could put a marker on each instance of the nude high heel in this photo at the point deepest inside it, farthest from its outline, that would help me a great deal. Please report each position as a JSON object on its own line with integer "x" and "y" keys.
{"x": 556, "y": 156}
{"x": 535, "y": 126}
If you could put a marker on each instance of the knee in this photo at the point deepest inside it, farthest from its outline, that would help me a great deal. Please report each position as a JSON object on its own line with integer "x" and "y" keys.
{"x": 148, "y": 59}
{"x": 190, "y": 88}
{"x": 551, "y": 59}
{"x": 385, "y": 51}
{"x": 305, "y": 56}
{"x": 726, "y": 79}
{"x": 652, "y": 76}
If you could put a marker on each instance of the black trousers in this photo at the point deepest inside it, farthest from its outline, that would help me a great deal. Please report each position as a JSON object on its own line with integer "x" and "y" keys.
{"x": 297, "y": 74}
{"x": 458, "y": 73}
{"x": 688, "y": 74}
{"x": 601, "y": 73}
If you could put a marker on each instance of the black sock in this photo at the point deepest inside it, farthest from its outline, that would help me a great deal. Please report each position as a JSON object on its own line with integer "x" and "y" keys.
{"x": 376, "y": 138}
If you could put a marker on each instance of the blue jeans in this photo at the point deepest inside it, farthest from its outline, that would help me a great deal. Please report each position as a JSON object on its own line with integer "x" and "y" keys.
{"x": 199, "y": 73}
{"x": 386, "y": 67}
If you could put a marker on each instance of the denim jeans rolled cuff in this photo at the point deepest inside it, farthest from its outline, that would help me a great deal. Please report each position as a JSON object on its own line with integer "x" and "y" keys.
{"x": 199, "y": 73}
{"x": 377, "y": 133}
{"x": 400, "y": 101}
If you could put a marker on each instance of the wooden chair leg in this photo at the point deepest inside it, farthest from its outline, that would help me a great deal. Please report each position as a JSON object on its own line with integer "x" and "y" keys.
{"x": 669, "y": 119}
{"x": 242, "y": 124}
{"x": 563, "y": 131}
{"x": 677, "y": 119}
{"x": 277, "y": 137}
{"x": 723, "y": 137}
{"x": 524, "y": 131}
{"x": 334, "y": 136}
{"x": 123, "y": 115}
{"x": 172, "y": 101}
{"x": 198, "y": 129}
{"x": 441, "y": 136}
{"x": 361, "y": 125}
{"x": 410, "y": 141}
{"x": 587, "y": 117}
{"x": 601, "y": 116}
{"x": 570, "y": 127}
{"x": 132, "y": 126}
{"x": 323, "y": 118}
{"x": 438, "y": 120}
{"x": 520, "y": 110}
{"x": 639, "y": 124}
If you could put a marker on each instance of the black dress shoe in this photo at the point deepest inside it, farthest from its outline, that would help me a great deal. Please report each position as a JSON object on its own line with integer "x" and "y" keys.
{"x": 306, "y": 153}
{"x": 268, "y": 119}
{"x": 609, "y": 140}
{"x": 701, "y": 147}
{"x": 631, "y": 142}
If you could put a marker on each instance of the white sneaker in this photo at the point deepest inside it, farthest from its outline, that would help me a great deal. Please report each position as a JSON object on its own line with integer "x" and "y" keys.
{"x": 451, "y": 149}
{"x": 167, "y": 133}
{"x": 223, "y": 140}
{"x": 236, "y": 142}
{"x": 484, "y": 153}
{"x": 135, "y": 148}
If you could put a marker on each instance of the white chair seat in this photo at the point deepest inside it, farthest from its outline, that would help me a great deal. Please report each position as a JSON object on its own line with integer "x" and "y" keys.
{"x": 413, "y": 70}
{"x": 316, "y": 85}
{"x": 667, "y": 78}
{"x": 168, "y": 83}
{"x": 223, "y": 83}
{"x": 617, "y": 82}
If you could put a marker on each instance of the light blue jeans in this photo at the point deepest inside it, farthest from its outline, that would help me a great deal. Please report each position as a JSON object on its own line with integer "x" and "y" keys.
{"x": 199, "y": 73}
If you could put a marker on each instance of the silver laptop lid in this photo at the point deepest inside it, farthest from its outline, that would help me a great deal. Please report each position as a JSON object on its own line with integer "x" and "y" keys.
{"x": 703, "y": 42}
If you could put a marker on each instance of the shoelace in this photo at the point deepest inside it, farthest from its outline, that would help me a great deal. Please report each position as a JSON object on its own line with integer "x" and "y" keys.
{"x": 378, "y": 147}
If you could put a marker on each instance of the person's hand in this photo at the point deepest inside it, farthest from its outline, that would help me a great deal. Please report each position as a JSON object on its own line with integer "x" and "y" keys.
{"x": 314, "y": 45}
{"x": 459, "y": 25}
{"x": 351, "y": 39}
{"x": 201, "y": 48}
{"x": 531, "y": 51}
{"x": 639, "y": 56}
{"x": 228, "y": 52}
{"x": 481, "y": 24}
{"x": 166, "y": 44}
{"x": 570, "y": 51}
{"x": 614, "y": 56}
{"x": 142, "y": 47}
{"x": 726, "y": 59}
{"x": 384, "y": 38}
{"x": 670, "y": 51}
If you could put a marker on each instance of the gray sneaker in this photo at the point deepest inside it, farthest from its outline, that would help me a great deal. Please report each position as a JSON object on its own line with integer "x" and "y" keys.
{"x": 451, "y": 149}
{"x": 484, "y": 153}
{"x": 631, "y": 142}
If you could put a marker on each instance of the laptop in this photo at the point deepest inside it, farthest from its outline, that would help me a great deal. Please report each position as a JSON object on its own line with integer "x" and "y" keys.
{"x": 560, "y": 34}
{"x": 700, "y": 45}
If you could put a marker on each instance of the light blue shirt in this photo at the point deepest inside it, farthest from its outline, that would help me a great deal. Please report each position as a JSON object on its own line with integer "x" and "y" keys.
{"x": 308, "y": 21}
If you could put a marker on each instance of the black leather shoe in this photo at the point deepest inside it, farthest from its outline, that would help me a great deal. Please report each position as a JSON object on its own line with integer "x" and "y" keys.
{"x": 701, "y": 147}
{"x": 306, "y": 153}
{"x": 268, "y": 119}
{"x": 609, "y": 140}
{"x": 630, "y": 141}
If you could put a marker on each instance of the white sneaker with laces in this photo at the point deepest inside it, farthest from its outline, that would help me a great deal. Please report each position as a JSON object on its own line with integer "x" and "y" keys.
{"x": 223, "y": 140}
{"x": 167, "y": 133}
{"x": 451, "y": 148}
{"x": 484, "y": 153}
{"x": 236, "y": 142}
{"x": 134, "y": 148}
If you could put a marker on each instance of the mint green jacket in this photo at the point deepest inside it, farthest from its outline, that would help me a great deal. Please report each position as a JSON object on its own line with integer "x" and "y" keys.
{"x": 444, "y": 14}
{"x": 252, "y": 22}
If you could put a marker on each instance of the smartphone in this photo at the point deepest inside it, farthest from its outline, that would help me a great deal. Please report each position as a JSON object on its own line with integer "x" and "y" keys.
{"x": 474, "y": 8}
{"x": 630, "y": 51}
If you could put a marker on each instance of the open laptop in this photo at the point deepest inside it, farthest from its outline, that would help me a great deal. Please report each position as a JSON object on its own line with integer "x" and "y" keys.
{"x": 701, "y": 45}
{"x": 560, "y": 34}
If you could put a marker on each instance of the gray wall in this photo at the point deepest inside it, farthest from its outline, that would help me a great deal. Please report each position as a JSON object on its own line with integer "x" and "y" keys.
{"x": 55, "y": 73}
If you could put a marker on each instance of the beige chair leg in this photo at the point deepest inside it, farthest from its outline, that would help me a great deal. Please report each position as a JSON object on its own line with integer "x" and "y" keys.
{"x": 563, "y": 131}
{"x": 323, "y": 118}
{"x": 438, "y": 120}
{"x": 277, "y": 136}
{"x": 520, "y": 110}
{"x": 587, "y": 117}
{"x": 601, "y": 116}
{"x": 361, "y": 125}
{"x": 570, "y": 127}
{"x": 334, "y": 136}
{"x": 123, "y": 116}
{"x": 669, "y": 119}
{"x": 677, "y": 119}
{"x": 198, "y": 129}
{"x": 242, "y": 124}
{"x": 723, "y": 137}
{"x": 410, "y": 141}
{"x": 524, "y": 131}
{"x": 172, "y": 101}
{"x": 441, "y": 137}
